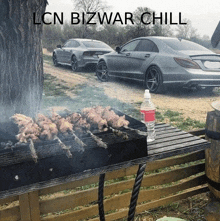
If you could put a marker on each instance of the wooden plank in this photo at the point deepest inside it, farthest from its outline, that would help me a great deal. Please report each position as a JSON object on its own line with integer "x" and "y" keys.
{"x": 170, "y": 135}
{"x": 34, "y": 206}
{"x": 85, "y": 197}
{"x": 166, "y": 131}
{"x": 181, "y": 159}
{"x": 93, "y": 210}
{"x": 127, "y": 172}
{"x": 158, "y": 149}
{"x": 24, "y": 207}
{"x": 10, "y": 214}
{"x": 9, "y": 200}
{"x": 166, "y": 143}
{"x": 71, "y": 185}
{"x": 68, "y": 201}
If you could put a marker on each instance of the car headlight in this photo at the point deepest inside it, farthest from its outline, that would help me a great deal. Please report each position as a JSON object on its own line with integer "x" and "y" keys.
{"x": 187, "y": 63}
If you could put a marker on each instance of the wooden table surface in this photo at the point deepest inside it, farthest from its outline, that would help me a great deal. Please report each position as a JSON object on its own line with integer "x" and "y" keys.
{"x": 169, "y": 142}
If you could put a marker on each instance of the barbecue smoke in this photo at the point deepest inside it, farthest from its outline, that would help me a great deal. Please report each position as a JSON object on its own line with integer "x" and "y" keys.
{"x": 28, "y": 104}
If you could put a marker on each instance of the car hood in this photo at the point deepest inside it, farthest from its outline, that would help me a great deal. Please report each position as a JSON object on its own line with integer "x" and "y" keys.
{"x": 190, "y": 53}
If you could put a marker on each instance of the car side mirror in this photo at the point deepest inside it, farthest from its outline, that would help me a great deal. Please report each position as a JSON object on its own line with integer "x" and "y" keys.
{"x": 59, "y": 46}
{"x": 118, "y": 49}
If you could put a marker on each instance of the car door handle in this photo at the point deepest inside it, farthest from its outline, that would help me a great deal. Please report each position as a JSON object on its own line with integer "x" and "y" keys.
{"x": 147, "y": 55}
{"x": 127, "y": 54}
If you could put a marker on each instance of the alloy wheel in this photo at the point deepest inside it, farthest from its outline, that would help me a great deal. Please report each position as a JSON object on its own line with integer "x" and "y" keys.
{"x": 153, "y": 79}
{"x": 102, "y": 71}
{"x": 55, "y": 60}
{"x": 74, "y": 64}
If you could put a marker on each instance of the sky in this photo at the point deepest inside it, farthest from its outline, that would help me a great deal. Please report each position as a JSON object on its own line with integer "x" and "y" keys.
{"x": 203, "y": 14}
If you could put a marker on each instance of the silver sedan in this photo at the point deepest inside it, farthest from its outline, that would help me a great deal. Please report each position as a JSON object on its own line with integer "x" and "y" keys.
{"x": 79, "y": 53}
{"x": 162, "y": 61}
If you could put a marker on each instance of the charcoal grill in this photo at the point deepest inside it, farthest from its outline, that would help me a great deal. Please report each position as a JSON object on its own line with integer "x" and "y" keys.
{"x": 19, "y": 171}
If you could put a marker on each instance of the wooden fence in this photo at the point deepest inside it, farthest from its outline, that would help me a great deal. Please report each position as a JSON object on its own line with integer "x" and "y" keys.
{"x": 181, "y": 177}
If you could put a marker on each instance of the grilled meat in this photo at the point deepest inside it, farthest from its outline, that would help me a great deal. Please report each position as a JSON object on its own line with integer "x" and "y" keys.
{"x": 49, "y": 129}
{"x": 81, "y": 125}
{"x": 94, "y": 119}
{"x": 28, "y": 129}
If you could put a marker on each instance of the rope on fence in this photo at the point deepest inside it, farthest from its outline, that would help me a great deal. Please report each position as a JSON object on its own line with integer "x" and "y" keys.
{"x": 100, "y": 197}
{"x": 135, "y": 192}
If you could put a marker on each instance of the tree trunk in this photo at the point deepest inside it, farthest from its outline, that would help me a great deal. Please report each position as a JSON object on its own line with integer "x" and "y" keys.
{"x": 21, "y": 62}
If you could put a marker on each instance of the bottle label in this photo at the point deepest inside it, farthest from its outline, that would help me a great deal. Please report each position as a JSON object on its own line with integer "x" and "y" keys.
{"x": 148, "y": 116}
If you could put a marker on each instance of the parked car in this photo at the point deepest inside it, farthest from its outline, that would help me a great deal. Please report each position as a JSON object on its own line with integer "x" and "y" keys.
{"x": 161, "y": 62}
{"x": 79, "y": 53}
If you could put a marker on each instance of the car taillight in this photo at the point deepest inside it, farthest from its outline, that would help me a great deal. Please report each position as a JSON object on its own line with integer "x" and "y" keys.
{"x": 87, "y": 53}
{"x": 187, "y": 63}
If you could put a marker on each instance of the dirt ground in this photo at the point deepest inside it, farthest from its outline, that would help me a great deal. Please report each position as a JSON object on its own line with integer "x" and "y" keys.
{"x": 193, "y": 104}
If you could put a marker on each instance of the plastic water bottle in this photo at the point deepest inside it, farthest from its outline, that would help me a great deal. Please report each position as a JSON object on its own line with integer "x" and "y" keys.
{"x": 148, "y": 116}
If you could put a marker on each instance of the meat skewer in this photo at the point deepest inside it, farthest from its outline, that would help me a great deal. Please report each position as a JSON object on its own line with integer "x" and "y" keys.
{"x": 64, "y": 147}
{"x": 50, "y": 131}
{"x": 33, "y": 151}
{"x": 80, "y": 123}
{"x": 95, "y": 119}
{"x": 29, "y": 132}
{"x": 115, "y": 120}
{"x": 98, "y": 140}
{"x": 101, "y": 117}
{"x": 64, "y": 126}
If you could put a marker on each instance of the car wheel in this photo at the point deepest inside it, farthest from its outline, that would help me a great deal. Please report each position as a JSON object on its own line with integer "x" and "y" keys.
{"x": 74, "y": 64}
{"x": 102, "y": 71}
{"x": 153, "y": 80}
{"x": 55, "y": 62}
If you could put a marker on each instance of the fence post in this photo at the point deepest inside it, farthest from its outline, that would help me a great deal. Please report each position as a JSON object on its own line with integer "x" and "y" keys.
{"x": 29, "y": 206}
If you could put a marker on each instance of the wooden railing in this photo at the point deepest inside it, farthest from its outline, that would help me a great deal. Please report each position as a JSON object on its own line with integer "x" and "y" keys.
{"x": 165, "y": 181}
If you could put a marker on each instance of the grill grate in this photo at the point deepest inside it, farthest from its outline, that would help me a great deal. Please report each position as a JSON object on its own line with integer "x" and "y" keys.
{"x": 18, "y": 168}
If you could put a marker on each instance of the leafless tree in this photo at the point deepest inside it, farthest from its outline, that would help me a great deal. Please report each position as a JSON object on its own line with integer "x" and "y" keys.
{"x": 86, "y": 6}
{"x": 89, "y": 5}
{"x": 186, "y": 31}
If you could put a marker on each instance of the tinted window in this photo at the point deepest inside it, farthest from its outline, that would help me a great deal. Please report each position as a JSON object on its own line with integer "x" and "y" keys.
{"x": 67, "y": 44}
{"x": 95, "y": 44}
{"x": 74, "y": 44}
{"x": 130, "y": 46}
{"x": 147, "y": 45}
{"x": 71, "y": 44}
{"x": 179, "y": 45}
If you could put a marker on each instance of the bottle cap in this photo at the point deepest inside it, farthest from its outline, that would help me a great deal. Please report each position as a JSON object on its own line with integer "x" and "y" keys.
{"x": 147, "y": 94}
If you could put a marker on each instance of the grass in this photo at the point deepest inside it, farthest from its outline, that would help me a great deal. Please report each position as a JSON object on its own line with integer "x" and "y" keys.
{"x": 55, "y": 95}
{"x": 52, "y": 87}
{"x": 48, "y": 59}
{"x": 191, "y": 209}
{"x": 176, "y": 119}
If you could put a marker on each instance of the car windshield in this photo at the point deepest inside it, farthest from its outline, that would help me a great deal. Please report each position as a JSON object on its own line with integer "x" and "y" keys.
{"x": 95, "y": 44}
{"x": 180, "y": 45}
